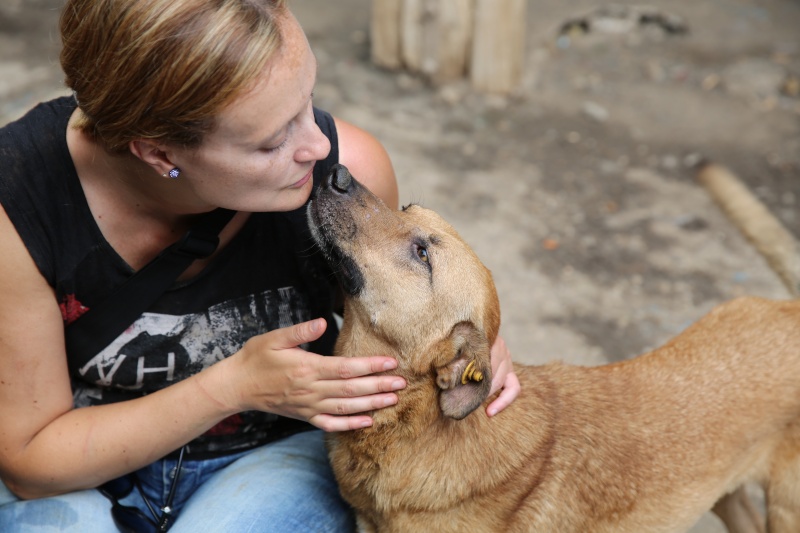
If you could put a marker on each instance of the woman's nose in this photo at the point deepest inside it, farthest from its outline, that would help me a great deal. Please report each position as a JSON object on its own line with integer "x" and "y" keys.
{"x": 315, "y": 147}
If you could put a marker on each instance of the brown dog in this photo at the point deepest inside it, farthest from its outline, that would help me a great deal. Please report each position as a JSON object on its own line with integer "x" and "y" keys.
{"x": 646, "y": 445}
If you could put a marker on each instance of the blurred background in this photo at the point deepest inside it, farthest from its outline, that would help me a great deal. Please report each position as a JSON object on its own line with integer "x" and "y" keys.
{"x": 577, "y": 187}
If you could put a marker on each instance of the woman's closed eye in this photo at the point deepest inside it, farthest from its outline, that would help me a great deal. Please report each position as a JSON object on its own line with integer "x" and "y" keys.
{"x": 309, "y": 109}
{"x": 277, "y": 147}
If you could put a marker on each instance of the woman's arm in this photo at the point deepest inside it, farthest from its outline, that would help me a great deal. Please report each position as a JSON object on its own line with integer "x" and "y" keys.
{"x": 47, "y": 447}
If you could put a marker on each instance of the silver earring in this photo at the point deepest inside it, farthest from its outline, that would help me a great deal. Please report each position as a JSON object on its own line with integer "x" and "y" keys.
{"x": 174, "y": 173}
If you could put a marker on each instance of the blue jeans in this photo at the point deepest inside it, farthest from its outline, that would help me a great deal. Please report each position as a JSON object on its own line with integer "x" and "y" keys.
{"x": 282, "y": 487}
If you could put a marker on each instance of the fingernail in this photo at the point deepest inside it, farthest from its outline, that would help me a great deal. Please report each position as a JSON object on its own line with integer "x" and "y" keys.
{"x": 398, "y": 384}
{"x": 492, "y": 411}
{"x": 389, "y": 365}
{"x": 366, "y": 423}
{"x": 391, "y": 400}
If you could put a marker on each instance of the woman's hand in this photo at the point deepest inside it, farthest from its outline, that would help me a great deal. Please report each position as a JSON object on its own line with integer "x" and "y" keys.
{"x": 503, "y": 377}
{"x": 279, "y": 377}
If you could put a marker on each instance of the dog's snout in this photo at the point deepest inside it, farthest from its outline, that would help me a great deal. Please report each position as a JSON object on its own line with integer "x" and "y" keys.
{"x": 342, "y": 178}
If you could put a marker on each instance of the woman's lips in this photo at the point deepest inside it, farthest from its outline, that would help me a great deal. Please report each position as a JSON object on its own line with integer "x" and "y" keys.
{"x": 299, "y": 184}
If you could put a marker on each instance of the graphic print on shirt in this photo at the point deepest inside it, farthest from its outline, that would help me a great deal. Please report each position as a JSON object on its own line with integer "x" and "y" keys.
{"x": 158, "y": 349}
{"x": 71, "y": 309}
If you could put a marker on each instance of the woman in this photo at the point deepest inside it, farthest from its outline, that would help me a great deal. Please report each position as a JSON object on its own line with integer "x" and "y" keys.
{"x": 180, "y": 107}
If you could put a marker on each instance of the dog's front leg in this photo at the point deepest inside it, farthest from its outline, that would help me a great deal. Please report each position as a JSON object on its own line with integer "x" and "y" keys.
{"x": 783, "y": 503}
{"x": 783, "y": 487}
{"x": 738, "y": 513}
{"x": 364, "y": 525}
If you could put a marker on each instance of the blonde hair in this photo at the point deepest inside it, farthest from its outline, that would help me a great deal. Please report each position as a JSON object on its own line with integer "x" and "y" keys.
{"x": 163, "y": 69}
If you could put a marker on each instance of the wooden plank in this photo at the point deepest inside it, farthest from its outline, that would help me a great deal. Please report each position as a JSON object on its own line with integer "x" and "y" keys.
{"x": 498, "y": 46}
{"x": 428, "y": 37}
{"x": 385, "y": 33}
{"x": 453, "y": 39}
{"x": 436, "y": 37}
{"x": 412, "y": 34}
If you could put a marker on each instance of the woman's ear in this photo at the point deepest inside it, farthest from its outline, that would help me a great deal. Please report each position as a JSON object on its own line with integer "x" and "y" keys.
{"x": 151, "y": 153}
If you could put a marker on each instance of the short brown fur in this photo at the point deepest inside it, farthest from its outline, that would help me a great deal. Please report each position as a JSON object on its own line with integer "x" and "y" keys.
{"x": 645, "y": 445}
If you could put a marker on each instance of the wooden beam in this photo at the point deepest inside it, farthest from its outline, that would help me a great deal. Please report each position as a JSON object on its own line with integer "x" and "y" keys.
{"x": 385, "y": 33}
{"x": 453, "y": 37}
{"x": 498, "y": 46}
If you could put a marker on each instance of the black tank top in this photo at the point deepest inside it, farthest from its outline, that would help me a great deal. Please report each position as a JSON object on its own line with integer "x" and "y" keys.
{"x": 269, "y": 276}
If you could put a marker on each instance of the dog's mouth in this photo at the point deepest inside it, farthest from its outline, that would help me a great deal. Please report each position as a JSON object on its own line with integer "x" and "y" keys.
{"x": 345, "y": 269}
{"x": 329, "y": 221}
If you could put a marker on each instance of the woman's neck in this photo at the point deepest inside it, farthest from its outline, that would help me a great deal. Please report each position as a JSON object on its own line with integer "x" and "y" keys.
{"x": 124, "y": 183}
{"x": 138, "y": 211}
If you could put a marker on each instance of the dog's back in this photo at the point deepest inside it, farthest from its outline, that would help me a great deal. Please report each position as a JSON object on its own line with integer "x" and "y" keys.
{"x": 650, "y": 444}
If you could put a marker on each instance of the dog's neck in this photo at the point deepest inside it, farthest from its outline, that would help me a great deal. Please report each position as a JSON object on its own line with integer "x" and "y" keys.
{"x": 419, "y": 382}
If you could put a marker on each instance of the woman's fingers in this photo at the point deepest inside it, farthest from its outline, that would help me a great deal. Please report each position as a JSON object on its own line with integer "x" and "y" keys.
{"x": 330, "y": 423}
{"x": 329, "y": 392}
{"x": 503, "y": 378}
{"x": 298, "y": 334}
{"x": 360, "y": 404}
{"x": 356, "y": 387}
{"x": 511, "y": 389}
{"x": 352, "y": 367}
{"x": 344, "y": 401}
{"x": 341, "y": 398}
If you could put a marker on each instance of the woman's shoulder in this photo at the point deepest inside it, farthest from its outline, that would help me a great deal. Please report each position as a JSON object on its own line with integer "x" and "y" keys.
{"x": 368, "y": 161}
{"x": 39, "y": 191}
{"x": 42, "y": 119}
{"x": 36, "y": 141}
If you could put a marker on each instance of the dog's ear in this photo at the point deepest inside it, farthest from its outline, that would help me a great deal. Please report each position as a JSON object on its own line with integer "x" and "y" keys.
{"x": 465, "y": 381}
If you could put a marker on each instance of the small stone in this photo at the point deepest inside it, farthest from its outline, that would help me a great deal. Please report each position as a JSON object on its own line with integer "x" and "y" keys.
{"x": 595, "y": 111}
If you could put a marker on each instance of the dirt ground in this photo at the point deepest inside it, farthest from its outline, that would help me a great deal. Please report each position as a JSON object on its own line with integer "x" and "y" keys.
{"x": 578, "y": 190}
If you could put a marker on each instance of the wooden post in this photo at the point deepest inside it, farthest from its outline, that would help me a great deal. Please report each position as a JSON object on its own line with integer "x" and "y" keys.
{"x": 385, "y": 33}
{"x": 452, "y": 40}
{"x": 499, "y": 45}
{"x": 435, "y": 37}
{"x": 412, "y": 30}
{"x": 444, "y": 40}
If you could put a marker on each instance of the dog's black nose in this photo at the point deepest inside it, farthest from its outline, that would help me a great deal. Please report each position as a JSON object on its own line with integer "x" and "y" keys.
{"x": 341, "y": 178}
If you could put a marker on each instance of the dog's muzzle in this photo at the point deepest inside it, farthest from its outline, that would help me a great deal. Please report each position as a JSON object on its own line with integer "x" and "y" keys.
{"x": 331, "y": 223}
{"x": 340, "y": 178}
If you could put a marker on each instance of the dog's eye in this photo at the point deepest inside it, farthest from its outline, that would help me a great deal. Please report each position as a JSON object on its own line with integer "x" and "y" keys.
{"x": 422, "y": 253}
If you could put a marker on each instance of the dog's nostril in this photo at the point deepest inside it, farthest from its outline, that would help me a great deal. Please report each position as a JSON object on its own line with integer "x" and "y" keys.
{"x": 341, "y": 179}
